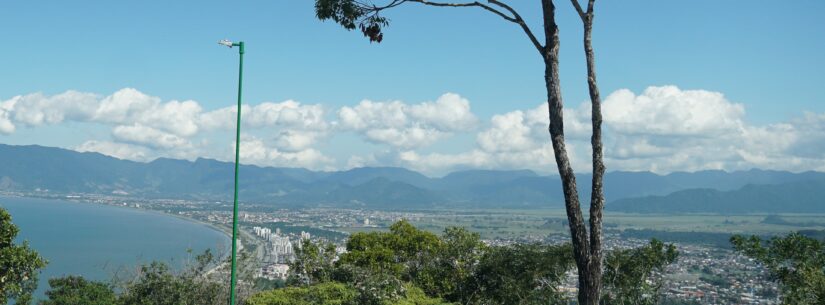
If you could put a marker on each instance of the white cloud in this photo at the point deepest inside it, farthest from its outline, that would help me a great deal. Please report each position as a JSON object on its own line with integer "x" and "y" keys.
{"x": 439, "y": 163}
{"x": 667, "y": 129}
{"x": 256, "y": 151}
{"x": 292, "y": 140}
{"x": 450, "y": 112}
{"x": 662, "y": 129}
{"x": 6, "y": 126}
{"x": 117, "y": 150}
{"x": 129, "y": 106}
{"x": 37, "y": 109}
{"x": 409, "y": 126}
{"x": 539, "y": 159}
{"x": 156, "y": 128}
{"x": 671, "y": 111}
{"x": 288, "y": 114}
{"x": 295, "y": 126}
{"x": 148, "y": 136}
{"x": 509, "y": 132}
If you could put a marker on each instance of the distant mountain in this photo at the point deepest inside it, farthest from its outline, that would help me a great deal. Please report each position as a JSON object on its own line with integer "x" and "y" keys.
{"x": 807, "y": 196}
{"x": 362, "y": 175}
{"x": 29, "y": 168}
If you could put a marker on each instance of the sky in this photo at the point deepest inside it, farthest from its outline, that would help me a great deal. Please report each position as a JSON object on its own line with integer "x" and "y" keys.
{"x": 687, "y": 85}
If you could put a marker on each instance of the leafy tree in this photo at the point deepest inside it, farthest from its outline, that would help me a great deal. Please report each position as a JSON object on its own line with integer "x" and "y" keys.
{"x": 313, "y": 262}
{"x": 19, "y": 264}
{"x": 366, "y": 16}
{"x": 389, "y": 267}
{"x": 521, "y": 274}
{"x": 329, "y": 293}
{"x": 377, "y": 288}
{"x": 416, "y": 296}
{"x": 157, "y": 284}
{"x": 797, "y": 262}
{"x": 403, "y": 252}
{"x": 453, "y": 265}
{"x": 378, "y": 264}
{"x": 628, "y": 273}
{"x": 73, "y": 290}
{"x": 334, "y": 293}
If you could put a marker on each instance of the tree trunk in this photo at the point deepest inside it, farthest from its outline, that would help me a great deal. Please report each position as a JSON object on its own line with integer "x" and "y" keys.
{"x": 597, "y": 191}
{"x": 586, "y": 247}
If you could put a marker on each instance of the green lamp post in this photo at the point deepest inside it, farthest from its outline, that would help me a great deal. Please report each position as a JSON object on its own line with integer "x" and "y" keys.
{"x": 237, "y": 151}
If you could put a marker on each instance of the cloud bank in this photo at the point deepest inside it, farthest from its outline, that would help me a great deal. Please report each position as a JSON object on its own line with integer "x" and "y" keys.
{"x": 662, "y": 129}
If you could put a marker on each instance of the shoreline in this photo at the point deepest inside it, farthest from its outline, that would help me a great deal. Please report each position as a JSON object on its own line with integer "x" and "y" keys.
{"x": 225, "y": 232}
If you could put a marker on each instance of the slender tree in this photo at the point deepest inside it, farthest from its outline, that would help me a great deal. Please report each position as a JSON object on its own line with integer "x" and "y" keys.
{"x": 366, "y": 16}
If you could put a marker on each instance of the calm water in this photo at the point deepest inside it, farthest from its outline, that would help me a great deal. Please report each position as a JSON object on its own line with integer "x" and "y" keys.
{"x": 95, "y": 240}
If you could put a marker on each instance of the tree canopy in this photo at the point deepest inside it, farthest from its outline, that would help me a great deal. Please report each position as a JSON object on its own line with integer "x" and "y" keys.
{"x": 458, "y": 267}
{"x": 797, "y": 262}
{"x": 627, "y": 273}
{"x": 73, "y": 290}
{"x": 19, "y": 264}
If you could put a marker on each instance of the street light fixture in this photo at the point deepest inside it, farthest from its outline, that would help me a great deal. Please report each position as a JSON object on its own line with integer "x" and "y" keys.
{"x": 240, "y": 46}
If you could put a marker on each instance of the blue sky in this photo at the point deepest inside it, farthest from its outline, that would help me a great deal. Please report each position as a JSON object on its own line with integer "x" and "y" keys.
{"x": 765, "y": 59}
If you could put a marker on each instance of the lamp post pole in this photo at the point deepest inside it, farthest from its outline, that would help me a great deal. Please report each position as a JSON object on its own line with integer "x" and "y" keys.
{"x": 233, "y": 276}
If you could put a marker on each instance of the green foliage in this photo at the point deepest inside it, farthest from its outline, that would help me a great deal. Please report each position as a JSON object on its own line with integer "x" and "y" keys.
{"x": 378, "y": 264}
{"x": 402, "y": 252}
{"x": 521, "y": 274}
{"x": 390, "y": 267}
{"x": 156, "y": 284}
{"x": 73, "y": 290}
{"x": 262, "y": 284}
{"x": 313, "y": 262}
{"x": 454, "y": 264}
{"x": 334, "y": 293}
{"x": 795, "y": 261}
{"x": 379, "y": 289}
{"x": 627, "y": 273}
{"x": 351, "y": 14}
{"x": 329, "y": 293}
{"x": 19, "y": 264}
{"x": 416, "y": 296}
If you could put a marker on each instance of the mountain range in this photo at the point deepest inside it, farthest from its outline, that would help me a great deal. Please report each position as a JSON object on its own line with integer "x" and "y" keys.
{"x": 56, "y": 170}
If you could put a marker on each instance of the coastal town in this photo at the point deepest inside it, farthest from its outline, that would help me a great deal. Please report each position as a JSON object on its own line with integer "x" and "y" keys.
{"x": 702, "y": 274}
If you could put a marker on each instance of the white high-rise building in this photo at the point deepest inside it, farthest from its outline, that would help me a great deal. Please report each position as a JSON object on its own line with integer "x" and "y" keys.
{"x": 281, "y": 248}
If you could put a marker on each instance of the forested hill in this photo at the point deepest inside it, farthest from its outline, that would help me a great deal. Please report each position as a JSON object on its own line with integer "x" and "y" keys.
{"x": 33, "y": 168}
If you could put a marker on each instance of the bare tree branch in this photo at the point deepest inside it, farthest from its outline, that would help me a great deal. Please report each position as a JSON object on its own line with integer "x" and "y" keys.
{"x": 516, "y": 18}
{"x": 520, "y": 22}
{"x": 467, "y": 4}
{"x": 582, "y": 13}
{"x": 578, "y": 8}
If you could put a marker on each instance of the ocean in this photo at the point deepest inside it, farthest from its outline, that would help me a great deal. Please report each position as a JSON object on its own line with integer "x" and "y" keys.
{"x": 99, "y": 241}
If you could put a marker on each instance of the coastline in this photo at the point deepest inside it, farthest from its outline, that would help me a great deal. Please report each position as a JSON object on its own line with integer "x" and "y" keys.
{"x": 226, "y": 232}
{"x": 123, "y": 239}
